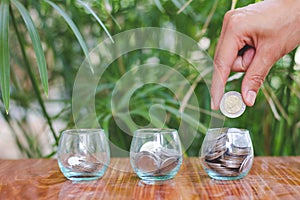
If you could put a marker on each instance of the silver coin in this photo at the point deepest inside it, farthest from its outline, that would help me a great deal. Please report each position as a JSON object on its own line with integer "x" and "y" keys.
{"x": 219, "y": 147}
{"x": 232, "y": 159}
{"x": 239, "y": 140}
{"x": 246, "y": 163}
{"x": 81, "y": 164}
{"x": 90, "y": 166}
{"x": 223, "y": 133}
{"x": 214, "y": 165}
{"x": 168, "y": 165}
{"x": 234, "y": 151}
{"x": 214, "y": 155}
{"x": 238, "y": 159}
{"x": 230, "y": 164}
{"x": 151, "y": 146}
{"x": 223, "y": 171}
{"x": 147, "y": 162}
{"x": 232, "y": 104}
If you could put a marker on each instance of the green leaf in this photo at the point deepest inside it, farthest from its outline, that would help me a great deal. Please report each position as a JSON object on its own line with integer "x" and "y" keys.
{"x": 89, "y": 10}
{"x": 36, "y": 42}
{"x": 159, "y": 6}
{"x": 4, "y": 53}
{"x": 188, "y": 119}
{"x": 75, "y": 31}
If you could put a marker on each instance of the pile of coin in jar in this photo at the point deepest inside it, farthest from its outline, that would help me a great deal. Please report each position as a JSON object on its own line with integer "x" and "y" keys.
{"x": 79, "y": 163}
{"x": 227, "y": 159}
{"x": 156, "y": 159}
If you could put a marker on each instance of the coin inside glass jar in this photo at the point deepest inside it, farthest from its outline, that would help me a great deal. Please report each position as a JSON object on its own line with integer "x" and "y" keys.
{"x": 232, "y": 104}
{"x": 229, "y": 153}
{"x": 156, "y": 159}
{"x": 147, "y": 162}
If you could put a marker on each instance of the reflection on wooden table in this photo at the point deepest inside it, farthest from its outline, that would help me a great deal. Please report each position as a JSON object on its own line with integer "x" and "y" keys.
{"x": 269, "y": 178}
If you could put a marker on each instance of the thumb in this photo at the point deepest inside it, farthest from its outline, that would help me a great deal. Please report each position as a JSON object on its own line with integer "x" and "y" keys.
{"x": 254, "y": 77}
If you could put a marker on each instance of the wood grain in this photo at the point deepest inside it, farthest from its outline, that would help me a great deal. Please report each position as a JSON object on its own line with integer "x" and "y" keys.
{"x": 270, "y": 178}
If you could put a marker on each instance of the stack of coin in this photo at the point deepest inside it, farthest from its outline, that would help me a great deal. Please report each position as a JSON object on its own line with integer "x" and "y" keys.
{"x": 227, "y": 159}
{"x": 156, "y": 159}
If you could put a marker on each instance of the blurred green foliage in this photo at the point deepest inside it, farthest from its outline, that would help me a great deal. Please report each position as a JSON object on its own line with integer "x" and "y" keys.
{"x": 273, "y": 121}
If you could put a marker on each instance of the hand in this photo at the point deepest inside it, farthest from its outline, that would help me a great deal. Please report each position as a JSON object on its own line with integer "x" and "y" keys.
{"x": 271, "y": 28}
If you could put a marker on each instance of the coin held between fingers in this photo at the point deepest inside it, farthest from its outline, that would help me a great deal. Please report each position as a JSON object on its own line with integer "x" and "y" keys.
{"x": 232, "y": 104}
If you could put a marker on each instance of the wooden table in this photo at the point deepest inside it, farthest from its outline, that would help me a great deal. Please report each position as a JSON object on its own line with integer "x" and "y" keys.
{"x": 270, "y": 178}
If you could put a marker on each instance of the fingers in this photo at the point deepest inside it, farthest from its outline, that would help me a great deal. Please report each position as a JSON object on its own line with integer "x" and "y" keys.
{"x": 218, "y": 84}
{"x": 223, "y": 61}
{"x": 240, "y": 64}
{"x": 254, "y": 78}
{"x": 243, "y": 61}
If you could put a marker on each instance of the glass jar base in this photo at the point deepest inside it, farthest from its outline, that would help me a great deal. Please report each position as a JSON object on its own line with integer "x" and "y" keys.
{"x": 217, "y": 176}
{"x": 151, "y": 180}
{"x": 82, "y": 176}
{"x": 74, "y": 176}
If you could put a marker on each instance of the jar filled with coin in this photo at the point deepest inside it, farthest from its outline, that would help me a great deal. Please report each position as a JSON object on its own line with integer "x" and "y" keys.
{"x": 155, "y": 154}
{"x": 227, "y": 153}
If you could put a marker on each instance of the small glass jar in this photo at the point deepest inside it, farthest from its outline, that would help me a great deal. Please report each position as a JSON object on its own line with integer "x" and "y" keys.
{"x": 83, "y": 154}
{"x": 227, "y": 153}
{"x": 155, "y": 154}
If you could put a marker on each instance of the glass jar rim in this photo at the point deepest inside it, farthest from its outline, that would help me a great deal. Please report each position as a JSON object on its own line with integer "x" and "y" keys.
{"x": 156, "y": 130}
{"x": 83, "y": 131}
{"x": 229, "y": 128}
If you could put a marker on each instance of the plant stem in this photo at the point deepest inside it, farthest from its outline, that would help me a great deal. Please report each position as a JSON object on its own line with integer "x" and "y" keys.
{"x": 32, "y": 77}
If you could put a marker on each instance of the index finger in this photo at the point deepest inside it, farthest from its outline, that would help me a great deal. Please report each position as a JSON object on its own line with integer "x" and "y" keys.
{"x": 226, "y": 52}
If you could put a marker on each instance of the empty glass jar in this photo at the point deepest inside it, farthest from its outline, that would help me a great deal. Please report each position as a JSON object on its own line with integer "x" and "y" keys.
{"x": 155, "y": 154}
{"x": 227, "y": 153}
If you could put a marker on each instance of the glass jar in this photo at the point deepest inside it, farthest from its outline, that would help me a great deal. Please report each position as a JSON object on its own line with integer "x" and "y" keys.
{"x": 227, "y": 153}
{"x": 155, "y": 154}
{"x": 83, "y": 154}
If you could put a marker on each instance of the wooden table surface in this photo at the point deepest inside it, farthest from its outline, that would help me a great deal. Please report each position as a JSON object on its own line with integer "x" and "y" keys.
{"x": 270, "y": 178}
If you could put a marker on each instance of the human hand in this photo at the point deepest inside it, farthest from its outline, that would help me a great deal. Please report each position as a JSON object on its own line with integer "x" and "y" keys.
{"x": 271, "y": 28}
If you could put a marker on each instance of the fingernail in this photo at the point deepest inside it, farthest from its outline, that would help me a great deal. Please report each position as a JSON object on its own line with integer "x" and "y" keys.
{"x": 250, "y": 98}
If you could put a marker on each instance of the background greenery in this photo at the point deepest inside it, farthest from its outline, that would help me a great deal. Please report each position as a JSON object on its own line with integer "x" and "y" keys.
{"x": 42, "y": 40}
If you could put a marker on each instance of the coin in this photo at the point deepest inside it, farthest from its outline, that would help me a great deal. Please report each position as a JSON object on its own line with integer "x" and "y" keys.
{"x": 239, "y": 159}
{"x": 232, "y": 104}
{"x": 246, "y": 163}
{"x": 168, "y": 165}
{"x": 147, "y": 162}
{"x": 220, "y": 146}
{"x": 156, "y": 159}
{"x": 75, "y": 160}
{"x": 151, "y": 146}
{"x": 232, "y": 164}
{"x": 81, "y": 164}
{"x": 214, "y": 165}
{"x": 166, "y": 153}
{"x": 90, "y": 167}
{"x": 214, "y": 155}
{"x": 235, "y": 151}
{"x": 227, "y": 157}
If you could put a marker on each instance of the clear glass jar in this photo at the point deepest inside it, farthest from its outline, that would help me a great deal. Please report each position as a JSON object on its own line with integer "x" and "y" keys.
{"x": 83, "y": 154}
{"x": 155, "y": 154}
{"x": 227, "y": 153}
